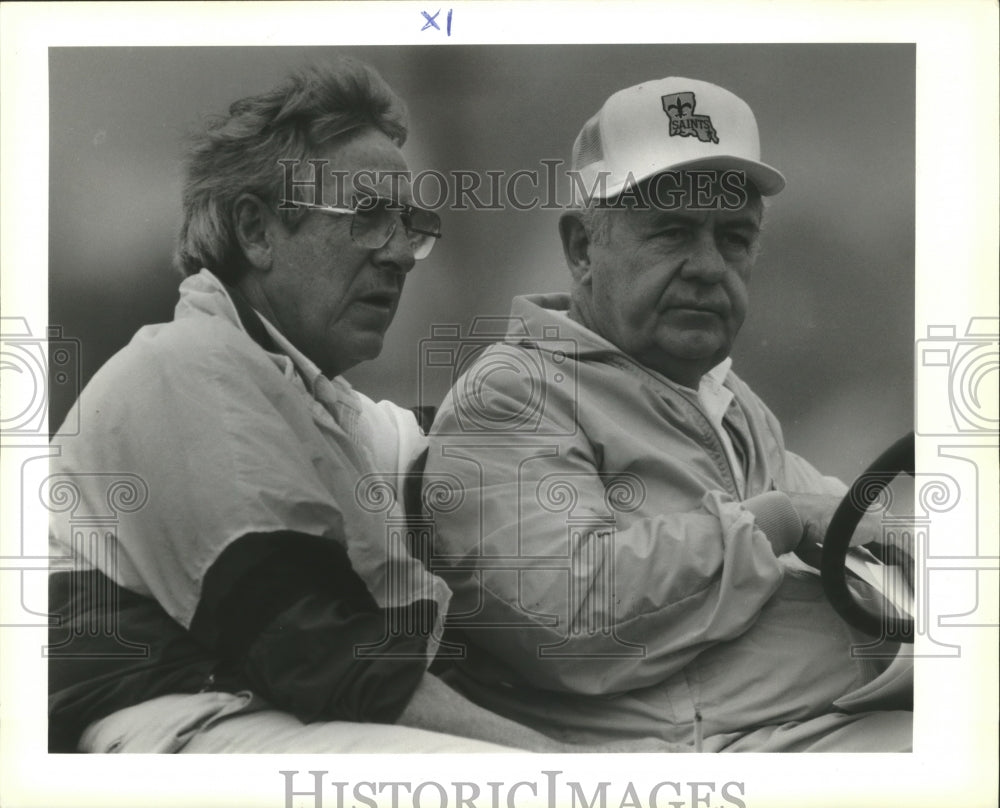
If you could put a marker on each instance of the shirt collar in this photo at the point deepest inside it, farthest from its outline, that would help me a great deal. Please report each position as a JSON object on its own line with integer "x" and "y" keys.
{"x": 713, "y": 395}
{"x": 318, "y": 384}
{"x": 720, "y": 371}
{"x": 307, "y": 368}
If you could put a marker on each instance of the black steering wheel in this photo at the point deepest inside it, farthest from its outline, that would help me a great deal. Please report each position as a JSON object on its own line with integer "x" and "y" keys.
{"x": 897, "y": 459}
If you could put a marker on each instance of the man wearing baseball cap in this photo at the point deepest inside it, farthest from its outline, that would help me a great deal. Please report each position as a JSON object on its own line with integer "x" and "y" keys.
{"x": 627, "y": 558}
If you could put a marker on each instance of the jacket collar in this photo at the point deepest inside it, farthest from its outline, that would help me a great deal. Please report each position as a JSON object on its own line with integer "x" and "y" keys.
{"x": 206, "y": 294}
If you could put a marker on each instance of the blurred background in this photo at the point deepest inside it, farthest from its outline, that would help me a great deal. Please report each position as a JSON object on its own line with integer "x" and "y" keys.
{"x": 828, "y": 343}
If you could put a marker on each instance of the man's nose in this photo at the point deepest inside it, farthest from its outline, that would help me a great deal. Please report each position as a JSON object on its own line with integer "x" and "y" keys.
{"x": 704, "y": 263}
{"x": 397, "y": 253}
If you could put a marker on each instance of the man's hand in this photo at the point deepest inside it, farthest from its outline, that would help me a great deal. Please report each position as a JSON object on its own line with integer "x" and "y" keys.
{"x": 816, "y": 511}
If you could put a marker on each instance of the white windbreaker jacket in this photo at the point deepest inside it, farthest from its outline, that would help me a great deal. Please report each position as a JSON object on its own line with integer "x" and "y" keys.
{"x": 611, "y": 573}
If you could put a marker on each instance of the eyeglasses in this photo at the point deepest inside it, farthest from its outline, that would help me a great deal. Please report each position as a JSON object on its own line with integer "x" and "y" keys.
{"x": 375, "y": 220}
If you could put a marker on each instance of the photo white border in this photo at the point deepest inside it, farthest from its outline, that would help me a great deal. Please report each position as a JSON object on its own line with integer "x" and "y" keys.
{"x": 955, "y": 757}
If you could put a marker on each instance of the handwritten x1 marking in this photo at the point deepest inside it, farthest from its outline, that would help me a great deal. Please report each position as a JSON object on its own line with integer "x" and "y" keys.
{"x": 430, "y": 20}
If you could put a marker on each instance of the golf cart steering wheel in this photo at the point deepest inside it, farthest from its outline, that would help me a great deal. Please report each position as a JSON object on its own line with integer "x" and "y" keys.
{"x": 897, "y": 459}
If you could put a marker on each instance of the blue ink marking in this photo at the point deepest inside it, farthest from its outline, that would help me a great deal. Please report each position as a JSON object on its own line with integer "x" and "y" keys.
{"x": 430, "y": 20}
{"x": 449, "y": 22}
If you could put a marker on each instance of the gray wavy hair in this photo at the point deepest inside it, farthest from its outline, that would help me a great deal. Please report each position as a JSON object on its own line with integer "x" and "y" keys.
{"x": 239, "y": 153}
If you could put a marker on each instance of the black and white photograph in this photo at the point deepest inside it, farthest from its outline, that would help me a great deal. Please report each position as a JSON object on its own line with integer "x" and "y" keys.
{"x": 429, "y": 390}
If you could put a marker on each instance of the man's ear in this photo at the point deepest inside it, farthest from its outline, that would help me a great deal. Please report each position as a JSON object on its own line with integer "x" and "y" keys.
{"x": 576, "y": 246}
{"x": 250, "y": 220}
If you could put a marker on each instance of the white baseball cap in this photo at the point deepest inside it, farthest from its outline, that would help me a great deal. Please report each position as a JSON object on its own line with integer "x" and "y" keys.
{"x": 669, "y": 125}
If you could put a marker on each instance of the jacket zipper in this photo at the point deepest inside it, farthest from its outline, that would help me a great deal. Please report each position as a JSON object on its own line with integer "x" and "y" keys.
{"x": 725, "y": 466}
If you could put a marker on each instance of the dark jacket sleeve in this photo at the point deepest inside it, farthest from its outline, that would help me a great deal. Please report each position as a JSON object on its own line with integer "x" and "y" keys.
{"x": 282, "y": 614}
{"x": 288, "y": 615}
{"x": 109, "y": 649}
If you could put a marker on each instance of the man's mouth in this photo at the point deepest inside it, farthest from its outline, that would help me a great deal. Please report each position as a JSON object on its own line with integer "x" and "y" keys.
{"x": 380, "y": 300}
{"x": 700, "y": 308}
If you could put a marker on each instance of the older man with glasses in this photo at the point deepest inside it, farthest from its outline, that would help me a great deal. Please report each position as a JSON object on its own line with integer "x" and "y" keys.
{"x": 257, "y": 604}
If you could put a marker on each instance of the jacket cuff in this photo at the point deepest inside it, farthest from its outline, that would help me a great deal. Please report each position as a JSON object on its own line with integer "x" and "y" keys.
{"x": 775, "y": 515}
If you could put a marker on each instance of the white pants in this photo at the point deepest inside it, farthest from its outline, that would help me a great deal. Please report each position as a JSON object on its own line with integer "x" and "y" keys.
{"x": 881, "y": 731}
{"x": 236, "y": 723}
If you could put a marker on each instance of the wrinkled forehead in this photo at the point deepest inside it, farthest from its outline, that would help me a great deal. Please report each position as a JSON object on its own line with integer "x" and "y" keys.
{"x": 364, "y": 165}
{"x": 695, "y": 191}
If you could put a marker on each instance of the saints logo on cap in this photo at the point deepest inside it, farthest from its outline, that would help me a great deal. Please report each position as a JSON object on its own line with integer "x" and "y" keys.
{"x": 680, "y": 109}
